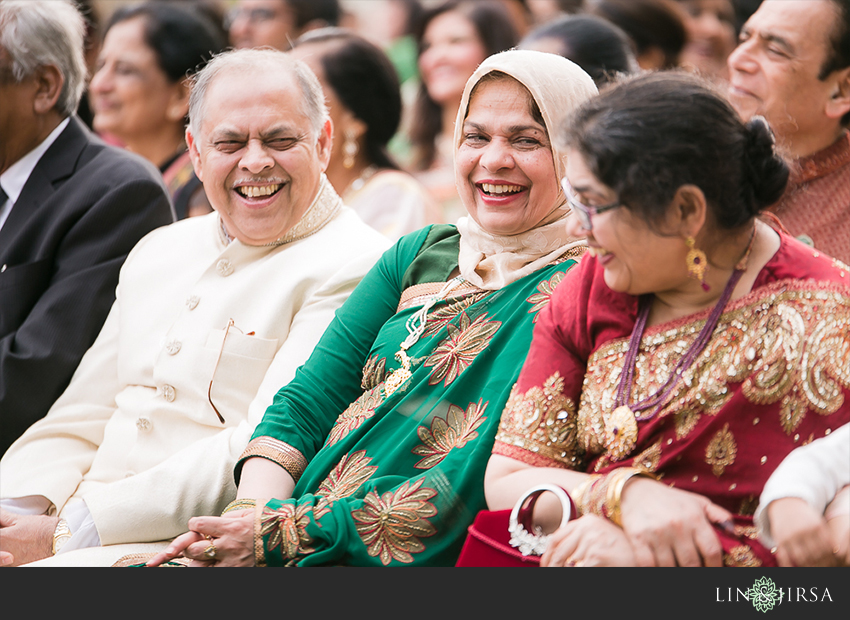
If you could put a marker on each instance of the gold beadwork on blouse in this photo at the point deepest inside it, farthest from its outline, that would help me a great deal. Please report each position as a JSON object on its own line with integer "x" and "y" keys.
{"x": 543, "y": 421}
{"x": 721, "y": 451}
{"x": 445, "y": 434}
{"x": 784, "y": 347}
{"x": 391, "y": 525}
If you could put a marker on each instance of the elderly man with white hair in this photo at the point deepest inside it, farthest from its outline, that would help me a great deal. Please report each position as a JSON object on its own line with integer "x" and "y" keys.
{"x": 213, "y": 315}
{"x": 71, "y": 209}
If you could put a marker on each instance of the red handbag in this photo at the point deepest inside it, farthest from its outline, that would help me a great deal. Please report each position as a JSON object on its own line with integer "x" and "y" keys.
{"x": 503, "y": 537}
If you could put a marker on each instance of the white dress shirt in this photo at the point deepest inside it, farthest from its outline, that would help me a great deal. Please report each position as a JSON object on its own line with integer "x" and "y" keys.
{"x": 16, "y": 176}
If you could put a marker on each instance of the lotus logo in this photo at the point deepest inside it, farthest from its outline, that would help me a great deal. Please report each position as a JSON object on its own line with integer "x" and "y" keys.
{"x": 764, "y": 595}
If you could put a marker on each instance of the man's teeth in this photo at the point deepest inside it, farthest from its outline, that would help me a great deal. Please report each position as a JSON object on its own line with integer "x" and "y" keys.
{"x": 597, "y": 251}
{"x": 255, "y": 191}
{"x": 501, "y": 189}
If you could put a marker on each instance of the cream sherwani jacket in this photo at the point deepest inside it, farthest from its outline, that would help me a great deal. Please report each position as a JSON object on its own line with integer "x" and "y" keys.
{"x": 134, "y": 434}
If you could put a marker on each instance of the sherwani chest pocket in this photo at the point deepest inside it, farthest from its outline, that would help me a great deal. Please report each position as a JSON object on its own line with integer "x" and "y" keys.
{"x": 238, "y": 364}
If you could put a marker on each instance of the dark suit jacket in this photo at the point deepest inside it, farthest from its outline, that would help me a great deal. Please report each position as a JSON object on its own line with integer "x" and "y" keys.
{"x": 82, "y": 210}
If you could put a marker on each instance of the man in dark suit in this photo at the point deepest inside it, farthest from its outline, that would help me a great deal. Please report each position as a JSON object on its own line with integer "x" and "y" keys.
{"x": 71, "y": 209}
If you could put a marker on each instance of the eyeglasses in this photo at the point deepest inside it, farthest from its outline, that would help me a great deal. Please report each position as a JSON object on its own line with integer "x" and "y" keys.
{"x": 230, "y": 323}
{"x": 583, "y": 211}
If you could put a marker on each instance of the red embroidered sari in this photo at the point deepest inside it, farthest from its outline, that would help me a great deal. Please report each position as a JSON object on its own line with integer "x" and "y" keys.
{"x": 775, "y": 375}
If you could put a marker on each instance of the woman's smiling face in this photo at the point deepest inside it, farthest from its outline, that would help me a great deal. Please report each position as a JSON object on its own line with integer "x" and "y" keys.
{"x": 636, "y": 258}
{"x": 504, "y": 165}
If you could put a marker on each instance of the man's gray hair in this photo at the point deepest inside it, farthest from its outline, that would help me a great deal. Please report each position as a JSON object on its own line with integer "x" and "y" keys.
{"x": 36, "y": 33}
{"x": 264, "y": 61}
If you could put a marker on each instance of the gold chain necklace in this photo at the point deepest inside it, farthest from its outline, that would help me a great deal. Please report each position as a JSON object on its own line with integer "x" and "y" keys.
{"x": 415, "y": 328}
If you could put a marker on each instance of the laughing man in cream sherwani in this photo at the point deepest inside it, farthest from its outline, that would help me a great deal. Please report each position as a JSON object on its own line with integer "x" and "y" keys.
{"x": 213, "y": 315}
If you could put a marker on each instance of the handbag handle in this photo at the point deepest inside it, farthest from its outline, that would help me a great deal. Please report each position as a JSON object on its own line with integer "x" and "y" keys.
{"x": 524, "y": 540}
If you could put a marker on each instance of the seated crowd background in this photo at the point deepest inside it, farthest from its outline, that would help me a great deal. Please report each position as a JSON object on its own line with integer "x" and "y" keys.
{"x": 316, "y": 282}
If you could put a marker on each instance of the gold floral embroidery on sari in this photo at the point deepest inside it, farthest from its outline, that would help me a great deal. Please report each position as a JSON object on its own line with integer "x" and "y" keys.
{"x": 748, "y": 506}
{"x": 541, "y": 298}
{"x": 750, "y": 531}
{"x": 453, "y": 431}
{"x": 543, "y": 421}
{"x": 789, "y": 346}
{"x": 650, "y": 458}
{"x": 348, "y": 476}
{"x": 374, "y": 372}
{"x": 442, "y": 316}
{"x": 462, "y": 345}
{"x": 741, "y": 555}
{"x": 358, "y": 412}
{"x": 286, "y": 528}
{"x": 391, "y": 525}
{"x": 686, "y": 421}
{"x": 721, "y": 451}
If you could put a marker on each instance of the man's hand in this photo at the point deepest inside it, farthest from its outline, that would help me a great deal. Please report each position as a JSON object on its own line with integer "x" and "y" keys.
{"x": 25, "y": 538}
{"x": 801, "y": 534}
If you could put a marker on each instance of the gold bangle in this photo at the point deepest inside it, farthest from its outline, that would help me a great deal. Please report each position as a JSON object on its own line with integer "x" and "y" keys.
{"x": 61, "y": 535}
{"x": 238, "y": 504}
{"x": 617, "y": 480}
{"x": 578, "y": 494}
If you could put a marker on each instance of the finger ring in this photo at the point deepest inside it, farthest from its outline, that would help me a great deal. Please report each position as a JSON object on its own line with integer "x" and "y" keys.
{"x": 210, "y": 552}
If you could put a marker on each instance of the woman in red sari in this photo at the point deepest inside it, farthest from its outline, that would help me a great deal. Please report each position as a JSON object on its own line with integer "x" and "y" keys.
{"x": 692, "y": 349}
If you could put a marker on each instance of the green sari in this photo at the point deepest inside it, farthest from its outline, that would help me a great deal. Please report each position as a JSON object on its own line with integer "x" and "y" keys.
{"x": 396, "y": 479}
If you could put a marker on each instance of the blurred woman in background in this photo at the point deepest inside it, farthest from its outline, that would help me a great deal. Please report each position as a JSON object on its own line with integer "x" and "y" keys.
{"x": 362, "y": 91}
{"x": 712, "y": 35}
{"x": 139, "y": 92}
{"x": 454, "y": 38}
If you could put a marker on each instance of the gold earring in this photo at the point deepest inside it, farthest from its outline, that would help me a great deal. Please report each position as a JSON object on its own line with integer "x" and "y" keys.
{"x": 697, "y": 262}
{"x": 349, "y": 149}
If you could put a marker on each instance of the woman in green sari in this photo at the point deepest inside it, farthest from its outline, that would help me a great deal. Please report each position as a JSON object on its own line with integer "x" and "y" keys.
{"x": 375, "y": 453}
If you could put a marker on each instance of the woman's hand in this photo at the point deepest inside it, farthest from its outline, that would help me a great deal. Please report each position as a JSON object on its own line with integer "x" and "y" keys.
{"x": 802, "y": 536}
{"x": 670, "y": 527}
{"x": 588, "y": 541}
{"x": 231, "y": 538}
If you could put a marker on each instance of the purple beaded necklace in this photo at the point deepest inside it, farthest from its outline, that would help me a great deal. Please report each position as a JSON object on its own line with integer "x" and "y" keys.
{"x": 627, "y": 378}
{"x": 621, "y": 429}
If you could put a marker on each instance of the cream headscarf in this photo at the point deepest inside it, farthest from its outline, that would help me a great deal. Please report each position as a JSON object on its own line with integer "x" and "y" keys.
{"x": 558, "y": 86}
